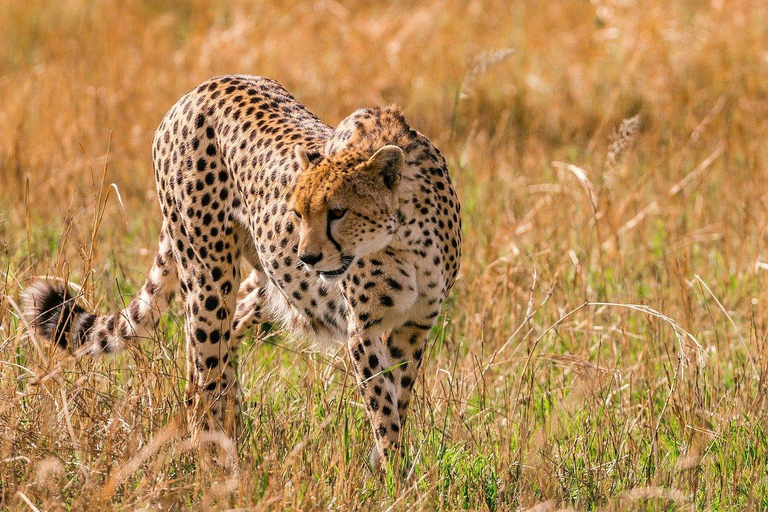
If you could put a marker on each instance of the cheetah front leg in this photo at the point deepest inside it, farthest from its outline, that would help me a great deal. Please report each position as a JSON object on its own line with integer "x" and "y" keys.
{"x": 382, "y": 291}
{"x": 406, "y": 345}
{"x": 375, "y": 381}
{"x": 397, "y": 360}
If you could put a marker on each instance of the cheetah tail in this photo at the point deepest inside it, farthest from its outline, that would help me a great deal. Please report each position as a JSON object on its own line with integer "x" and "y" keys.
{"x": 54, "y": 314}
{"x": 50, "y": 309}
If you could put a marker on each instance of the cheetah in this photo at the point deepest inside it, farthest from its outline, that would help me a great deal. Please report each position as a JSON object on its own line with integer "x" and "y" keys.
{"x": 352, "y": 234}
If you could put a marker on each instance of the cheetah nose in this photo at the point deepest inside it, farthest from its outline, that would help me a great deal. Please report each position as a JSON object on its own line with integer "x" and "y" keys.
{"x": 311, "y": 259}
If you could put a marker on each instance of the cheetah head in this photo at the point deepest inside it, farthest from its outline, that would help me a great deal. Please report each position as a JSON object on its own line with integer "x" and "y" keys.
{"x": 345, "y": 207}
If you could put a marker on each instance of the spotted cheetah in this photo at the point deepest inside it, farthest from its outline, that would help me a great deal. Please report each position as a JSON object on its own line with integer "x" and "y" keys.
{"x": 353, "y": 234}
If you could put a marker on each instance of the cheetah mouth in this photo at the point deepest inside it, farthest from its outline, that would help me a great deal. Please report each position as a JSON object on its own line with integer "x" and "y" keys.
{"x": 346, "y": 261}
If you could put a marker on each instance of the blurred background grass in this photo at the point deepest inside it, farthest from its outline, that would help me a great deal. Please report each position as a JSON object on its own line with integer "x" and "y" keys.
{"x": 607, "y": 154}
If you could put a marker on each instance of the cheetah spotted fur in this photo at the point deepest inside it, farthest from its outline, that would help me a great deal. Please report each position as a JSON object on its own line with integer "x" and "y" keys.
{"x": 353, "y": 234}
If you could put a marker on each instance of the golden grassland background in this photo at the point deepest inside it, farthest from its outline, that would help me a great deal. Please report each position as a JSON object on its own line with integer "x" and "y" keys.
{"x": 604, "y": 346}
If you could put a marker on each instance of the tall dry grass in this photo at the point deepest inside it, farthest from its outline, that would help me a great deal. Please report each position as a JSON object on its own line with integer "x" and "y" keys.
{"x": 604, "y": 347}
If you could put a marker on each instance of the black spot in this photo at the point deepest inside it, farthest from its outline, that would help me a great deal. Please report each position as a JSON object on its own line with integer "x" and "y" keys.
{"x": 394, "y": 284}
{"x": 211, "y": 362}
{"x": 211, "y": 303}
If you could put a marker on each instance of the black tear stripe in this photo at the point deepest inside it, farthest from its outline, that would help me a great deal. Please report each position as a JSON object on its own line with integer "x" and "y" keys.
{"x": 336, "y": 244}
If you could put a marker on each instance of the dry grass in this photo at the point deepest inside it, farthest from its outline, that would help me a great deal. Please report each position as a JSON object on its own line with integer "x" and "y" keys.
{"x": 605, "y": 345}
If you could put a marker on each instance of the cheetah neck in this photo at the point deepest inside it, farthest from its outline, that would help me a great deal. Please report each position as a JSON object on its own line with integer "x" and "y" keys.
{"x": 407, "y": 222}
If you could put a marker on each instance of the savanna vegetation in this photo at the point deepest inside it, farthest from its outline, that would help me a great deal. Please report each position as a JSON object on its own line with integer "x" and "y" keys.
{"x": 605, "y": 346}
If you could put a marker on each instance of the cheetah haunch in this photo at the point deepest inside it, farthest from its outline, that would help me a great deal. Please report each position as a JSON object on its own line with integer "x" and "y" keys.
{"x": 353, "y": 234}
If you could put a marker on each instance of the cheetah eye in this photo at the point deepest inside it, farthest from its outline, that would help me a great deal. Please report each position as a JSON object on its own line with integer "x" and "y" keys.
{"x": 296, "y": 214}
{"x": 336, "y": 213}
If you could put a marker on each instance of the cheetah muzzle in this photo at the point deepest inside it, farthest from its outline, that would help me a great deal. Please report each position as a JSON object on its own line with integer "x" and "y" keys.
{"x": 332, "y": 275}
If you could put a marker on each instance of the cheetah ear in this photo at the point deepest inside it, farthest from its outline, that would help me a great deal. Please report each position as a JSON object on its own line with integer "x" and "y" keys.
{"x": 387, "y": 162}
{"x": 305, "y": 157}
{"x": 301, "y": 155}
